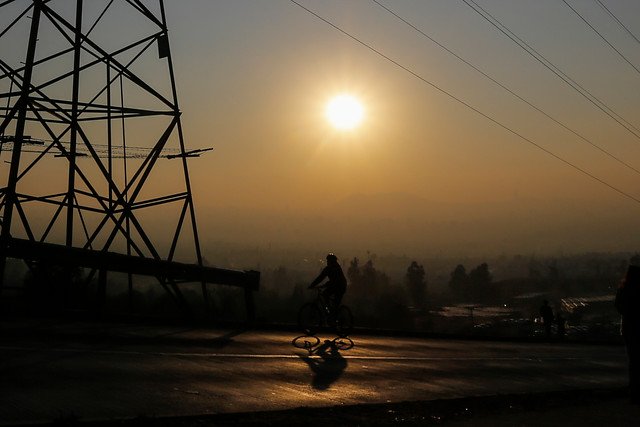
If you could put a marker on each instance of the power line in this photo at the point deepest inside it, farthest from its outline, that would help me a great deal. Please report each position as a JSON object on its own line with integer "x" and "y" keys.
{"x": 618, "y": 20}
{"x": 554, "y": 69}
{"x": 466, "y": 104}
{"x": 601, "y": 36}
{"x": 585, "y": 139}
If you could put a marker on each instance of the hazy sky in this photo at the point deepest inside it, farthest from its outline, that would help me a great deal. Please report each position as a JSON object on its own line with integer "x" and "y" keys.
{"x": 423, "y": 173}
{"x": 255, "y": 76}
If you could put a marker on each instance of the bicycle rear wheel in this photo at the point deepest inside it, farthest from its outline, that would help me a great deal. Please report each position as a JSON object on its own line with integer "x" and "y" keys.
{"x": 344, "y": 321}
{"x": 307, "y": 342}
{"x": 309, "y": 318}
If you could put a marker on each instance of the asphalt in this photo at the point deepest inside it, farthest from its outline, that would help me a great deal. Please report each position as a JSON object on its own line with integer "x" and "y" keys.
{"x": 585, "y": 403}
{"x": 585, "y": 408}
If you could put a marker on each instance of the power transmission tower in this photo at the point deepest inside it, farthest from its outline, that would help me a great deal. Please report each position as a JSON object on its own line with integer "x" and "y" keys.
{"x": 92, "y": 150}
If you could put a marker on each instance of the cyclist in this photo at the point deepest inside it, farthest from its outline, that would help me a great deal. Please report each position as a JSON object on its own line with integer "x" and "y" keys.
{"x": 336, "y": 286}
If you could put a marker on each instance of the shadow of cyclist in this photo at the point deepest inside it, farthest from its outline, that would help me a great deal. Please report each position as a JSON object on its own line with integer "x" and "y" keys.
{"x": 326, "y": 363}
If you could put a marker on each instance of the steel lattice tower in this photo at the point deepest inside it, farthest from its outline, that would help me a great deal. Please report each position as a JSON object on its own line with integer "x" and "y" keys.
{"x": 92, "y": 149}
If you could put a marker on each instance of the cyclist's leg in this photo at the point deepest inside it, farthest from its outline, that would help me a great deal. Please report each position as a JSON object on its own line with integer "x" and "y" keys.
{"x": 329, "y": 293}
{"x": 331, "y": 297}
{"x": 325, "y": 300}
{"x": 339, "y": 294}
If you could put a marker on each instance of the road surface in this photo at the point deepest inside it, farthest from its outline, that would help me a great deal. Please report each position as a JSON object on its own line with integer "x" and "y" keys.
{"x": 51, "y": 370}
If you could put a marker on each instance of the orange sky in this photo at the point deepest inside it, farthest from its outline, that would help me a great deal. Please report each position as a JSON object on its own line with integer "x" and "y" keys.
{"x": 423, "y": 174}
{"x": 260, "y": 77}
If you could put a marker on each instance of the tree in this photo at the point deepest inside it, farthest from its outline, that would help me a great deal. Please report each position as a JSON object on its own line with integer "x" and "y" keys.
{"x": 480, "y": 282}
{"x": 480, "y": 276}
{"x": 416, "y": 284}
{"x": 459, "y": 280}
{"x": 369, "y": 274}
{"x": 365, "y": 282}
{"x": 353, "y": 273}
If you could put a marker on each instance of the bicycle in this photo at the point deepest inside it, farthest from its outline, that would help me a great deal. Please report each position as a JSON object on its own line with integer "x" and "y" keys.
{"x": 318, "y": 313}
{"x": 310, "y": 343}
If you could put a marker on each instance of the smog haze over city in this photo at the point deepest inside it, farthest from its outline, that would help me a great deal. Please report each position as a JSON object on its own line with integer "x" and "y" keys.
{"x": 423, "y": 173}
{"x": 461, "y": 143}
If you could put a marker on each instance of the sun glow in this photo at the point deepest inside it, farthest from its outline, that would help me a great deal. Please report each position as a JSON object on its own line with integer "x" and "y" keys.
{"x": 344, "y": 112}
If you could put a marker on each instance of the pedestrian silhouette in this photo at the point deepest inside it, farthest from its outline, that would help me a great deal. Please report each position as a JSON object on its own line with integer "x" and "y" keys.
{"x": 547, "y": 317}
{"x": 628, "y": 305}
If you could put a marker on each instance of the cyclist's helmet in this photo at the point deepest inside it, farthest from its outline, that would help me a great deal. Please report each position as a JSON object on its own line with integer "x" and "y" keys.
{"x": 331, "y": 257}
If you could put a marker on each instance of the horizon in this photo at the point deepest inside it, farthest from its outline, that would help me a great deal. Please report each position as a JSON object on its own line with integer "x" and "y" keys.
{"x": 413, "y": 141}
{"x": 442, "y": 161}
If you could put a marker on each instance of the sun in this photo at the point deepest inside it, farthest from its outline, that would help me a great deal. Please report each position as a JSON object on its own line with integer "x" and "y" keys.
{"x": 344, "y": 112}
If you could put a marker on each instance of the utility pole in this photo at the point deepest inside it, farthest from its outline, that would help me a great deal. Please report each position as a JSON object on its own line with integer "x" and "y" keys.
{"x": 92, "y": 90}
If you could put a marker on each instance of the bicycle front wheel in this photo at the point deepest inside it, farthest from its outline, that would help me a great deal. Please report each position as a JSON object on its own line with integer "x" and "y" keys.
{"x": 309, "y": 318}
{"x": 344, "y": 321}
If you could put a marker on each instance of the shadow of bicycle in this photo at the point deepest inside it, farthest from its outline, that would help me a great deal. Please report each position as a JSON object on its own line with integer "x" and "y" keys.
{"x": 324, "y": 360}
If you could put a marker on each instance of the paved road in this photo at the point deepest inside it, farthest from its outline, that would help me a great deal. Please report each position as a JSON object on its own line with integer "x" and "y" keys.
{"x": 50, "y": 370}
